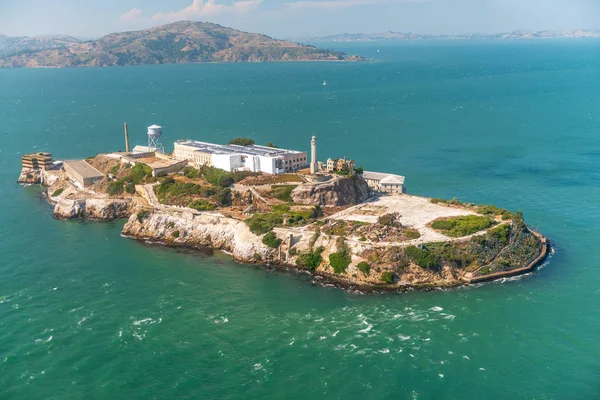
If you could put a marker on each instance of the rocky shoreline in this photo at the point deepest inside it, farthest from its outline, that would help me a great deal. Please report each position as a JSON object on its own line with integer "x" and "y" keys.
{"x": 186, "y": 228}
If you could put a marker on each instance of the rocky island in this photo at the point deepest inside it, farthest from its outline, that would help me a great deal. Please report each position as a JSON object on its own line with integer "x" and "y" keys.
{"x": 344, "y": 225}
{"x": 182, "y": 42}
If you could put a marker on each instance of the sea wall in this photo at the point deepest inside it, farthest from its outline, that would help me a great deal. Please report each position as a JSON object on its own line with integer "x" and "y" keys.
{"x": 514, "y": 272}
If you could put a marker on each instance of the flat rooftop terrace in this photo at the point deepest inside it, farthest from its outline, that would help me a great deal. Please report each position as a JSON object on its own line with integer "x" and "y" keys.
{"x": 255, "y": 150}
{"x": 84, "y": 169}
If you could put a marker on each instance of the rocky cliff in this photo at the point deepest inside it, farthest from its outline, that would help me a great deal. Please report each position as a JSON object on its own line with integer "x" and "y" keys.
{"x": 94, "y": 208}
{"x": 336, "y": 192}
{"x": 199, "y": 230}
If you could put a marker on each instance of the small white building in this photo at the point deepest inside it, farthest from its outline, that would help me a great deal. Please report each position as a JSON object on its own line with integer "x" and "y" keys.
{"x": 230, "y": 158}
{"x": 385, "y": 183}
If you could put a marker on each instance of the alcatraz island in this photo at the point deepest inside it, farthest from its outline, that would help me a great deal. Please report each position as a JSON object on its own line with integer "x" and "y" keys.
{"x": 270, "y": 206}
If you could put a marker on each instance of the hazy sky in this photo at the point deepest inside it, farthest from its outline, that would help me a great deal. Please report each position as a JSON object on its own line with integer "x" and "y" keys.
{"x": 293, "y": 18}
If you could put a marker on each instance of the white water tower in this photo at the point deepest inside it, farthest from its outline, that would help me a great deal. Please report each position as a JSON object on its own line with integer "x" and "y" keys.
{"x": 155, "y": 138}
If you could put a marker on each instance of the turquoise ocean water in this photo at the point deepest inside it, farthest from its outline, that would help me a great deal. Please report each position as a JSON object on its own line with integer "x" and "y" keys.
{"x": 85, "y": 313}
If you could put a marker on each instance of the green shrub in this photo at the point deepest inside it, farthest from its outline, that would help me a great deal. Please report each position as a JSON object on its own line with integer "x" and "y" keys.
{"x": 311, "y": 259}
{"x": 453, "y": 202}
{"x": 281, "y": 208}
{"x": 411, "y": 234}
{"x": 222, "y": 196}
{"x": 58, "y": 192}
{"x": 270, "y": 144}
{"x": 114, "y": 188}
{"x": 191, "y": 173}
{"x": 364, "y": 267}
{"x": 263, "y": 223}
{"x": 283, "y": 192}
{"x": 500, "y": 233}
{"x": 462, "y": 226}
{"x": 387, "y": 277}
{"x": 362, "y": 239}
{"x": 201, "y": 205}
{"x": 175, "y": 234}
{"x": 271, "y": 240}
{"x": 217, "y": 176}
{"x": 423, "y": 258}
{"x": 339, "y": 261}
{"x": 142, "y": 216}
{"x": 115, "y": 169}
{"x": 314, "y": 237}
{"x": 257, "y": 257}
{"x": 138, "y": 173}
{"x": 389, "y": 219}
{"x": 130, "y": 188}
{"x": 242, "y": 141}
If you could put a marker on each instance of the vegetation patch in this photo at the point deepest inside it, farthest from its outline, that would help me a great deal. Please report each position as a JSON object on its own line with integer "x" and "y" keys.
{"x": 130, "y": 188}
{"x": 142, "y": 216}
{"x": 341, "y": 259}
{"x": 387, "y": 277}
{"x": 58, "y": 192}
{"x": 411, "y": 234}
{"x": 170, "y": 191}
{"x": 175, "y": 234}
{"x": 364, "y": 267}
{"x": 138, "y": 173}
{"x": 271, "y": 240}
{"x": 242, "y": 141}
{"x": 201, "y": 205}
{"x": 424, "y": 258}
{"x": 311, "y": 259}
{"x": 115, "y": 188}
{"x": 283, "y": 192}
{"x": 463, "y": 225}
{"x": 390, "y": 219}
{"x": 492, "y": 211}
{"x": 262, "y": 223}
{"x": 453, "y": 202}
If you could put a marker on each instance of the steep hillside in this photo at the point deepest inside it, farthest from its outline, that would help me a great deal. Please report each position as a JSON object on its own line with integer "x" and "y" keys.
{"x": 180, "y": 42}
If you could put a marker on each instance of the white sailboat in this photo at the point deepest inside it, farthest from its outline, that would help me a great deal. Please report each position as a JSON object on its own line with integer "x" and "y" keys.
{"x": 324, "y": 83}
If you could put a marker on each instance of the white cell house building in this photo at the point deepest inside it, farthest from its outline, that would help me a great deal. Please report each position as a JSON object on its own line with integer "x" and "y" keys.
{"x": 386, "y": 183}
{"x": 231, "y": 158}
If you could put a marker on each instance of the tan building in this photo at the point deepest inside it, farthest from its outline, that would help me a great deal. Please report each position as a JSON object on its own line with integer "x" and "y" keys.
{"x": 384, "y": 183}
{"x": 340, "y": 164}
{"x": 40, "y": 160}
{"x": 82, "y": 173}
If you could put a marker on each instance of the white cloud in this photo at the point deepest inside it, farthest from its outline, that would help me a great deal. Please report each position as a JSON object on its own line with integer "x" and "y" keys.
{"x": 335, "y": 4}
{"x": 200, "y": 8}
{"x": 132, "y": 16}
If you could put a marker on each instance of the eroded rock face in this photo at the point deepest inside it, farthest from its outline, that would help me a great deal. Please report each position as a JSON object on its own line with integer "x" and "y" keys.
{"x": 98, "y": 209}
{"x": 338, "y": 192}
{"x": 200, "y": 230}
{"x": 30, "y": 176}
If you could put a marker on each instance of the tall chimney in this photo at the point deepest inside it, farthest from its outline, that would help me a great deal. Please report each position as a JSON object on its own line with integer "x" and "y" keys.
{"x": 126, "y": 138}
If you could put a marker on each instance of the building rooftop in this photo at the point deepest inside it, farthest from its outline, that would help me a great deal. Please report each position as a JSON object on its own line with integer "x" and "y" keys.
{"x": 84, "y": 169}
{"x": 383, "y": 177}
{"x": 255, "y": 150}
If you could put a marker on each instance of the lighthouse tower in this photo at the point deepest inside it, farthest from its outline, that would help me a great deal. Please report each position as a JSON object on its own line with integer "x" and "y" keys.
{"x": 314, "y": 165}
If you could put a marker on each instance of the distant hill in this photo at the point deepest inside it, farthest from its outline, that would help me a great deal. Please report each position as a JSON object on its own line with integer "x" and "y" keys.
{"x": 14, "y": 45}
{"x": 519, "y": 34}
{"x": 179, "y": 42}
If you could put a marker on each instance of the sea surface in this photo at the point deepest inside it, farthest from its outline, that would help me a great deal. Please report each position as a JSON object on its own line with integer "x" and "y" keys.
{"x": 85, "y": 313}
